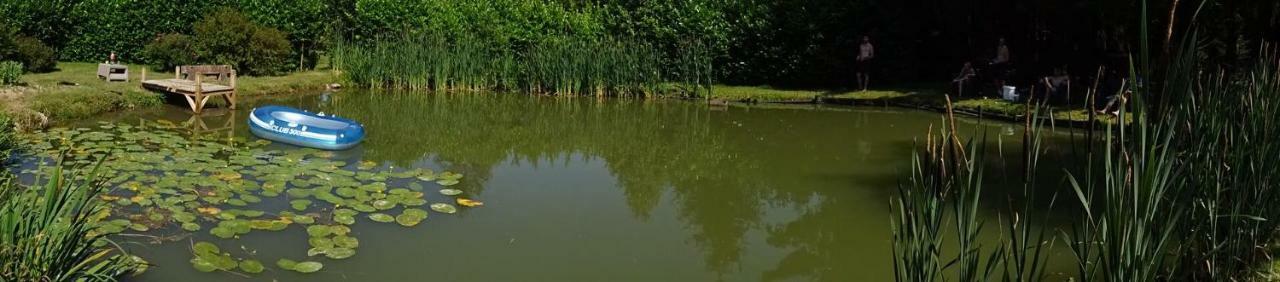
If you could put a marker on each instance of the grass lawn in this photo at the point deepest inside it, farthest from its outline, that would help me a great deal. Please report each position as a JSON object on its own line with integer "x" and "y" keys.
{"x": 74, "y": 91}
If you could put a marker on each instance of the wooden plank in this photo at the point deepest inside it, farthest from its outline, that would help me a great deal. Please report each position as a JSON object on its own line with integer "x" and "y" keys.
{"x": 192, "y": 86}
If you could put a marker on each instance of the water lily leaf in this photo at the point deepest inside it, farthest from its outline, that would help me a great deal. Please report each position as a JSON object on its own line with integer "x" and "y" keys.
{"x": 339, "y": 253}
{"x": 346, "y": 241}
{"x": 308, "y": 267}
{"x": 191, "y": 226}
{"x": 345, "y": 212}
{"x": 381, "y": 217}
{"x": 343, "y": 219}
{"x": 340, "y": 230}
{"x": 251, "y": 266}
{"x": 383, "y": 204}
{"x": 447, "y": 182}
{"x": 318, "y": 251}
{"x": 222, "y": 232}
{"x": 303, "y": 219}
{"x": 320, "y": 242}
{"x": 413, "y": 202}
{"x": 205, "y": 248}
{"x": 300, "y": 204}
{"x": 286, "y": 264}
{"x": 469, "y": 202}
{"x": 319, "y": 230}
{"x": 443, "y": 208}
{"x": 450, "y": 192}
{"x": 408, "y": 220}
{"x": 202, "y": 265}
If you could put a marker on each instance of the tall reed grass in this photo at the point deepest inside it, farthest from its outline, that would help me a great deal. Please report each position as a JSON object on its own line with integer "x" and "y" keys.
{"x": 46, "y": 233}
{"x": 563, "y": 66}
{"x": 945, "y": 192}
{"x": 1184, "y": 192}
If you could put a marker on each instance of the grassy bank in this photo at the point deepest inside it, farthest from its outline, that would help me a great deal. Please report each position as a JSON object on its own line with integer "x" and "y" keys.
{"x": 74, "y": 91}
{"x": 912, "y": 98}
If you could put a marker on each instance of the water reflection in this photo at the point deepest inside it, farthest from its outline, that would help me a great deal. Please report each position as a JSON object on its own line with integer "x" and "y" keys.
{"x": 764, "y": 193}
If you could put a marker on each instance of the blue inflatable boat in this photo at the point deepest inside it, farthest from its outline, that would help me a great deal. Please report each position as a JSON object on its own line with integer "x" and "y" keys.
{"x": 302, "y": 128}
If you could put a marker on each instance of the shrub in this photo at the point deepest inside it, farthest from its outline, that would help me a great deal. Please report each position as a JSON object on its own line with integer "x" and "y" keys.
{"x": 9, "y": 72}
{"x": 170, "y": 50}
{"x": 35, "y": 55}
{"x": 228, "y": 37}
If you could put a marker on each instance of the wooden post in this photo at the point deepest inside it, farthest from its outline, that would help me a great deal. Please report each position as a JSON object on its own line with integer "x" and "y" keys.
{"x": 199, "y": 92}
{"x": 231, "y": 97}
{"x": 177, "y": 72}
{"x": 144, "y": 73}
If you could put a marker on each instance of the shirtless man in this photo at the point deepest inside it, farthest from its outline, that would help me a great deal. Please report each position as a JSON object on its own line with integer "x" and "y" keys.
{"x": 866, "y": 52}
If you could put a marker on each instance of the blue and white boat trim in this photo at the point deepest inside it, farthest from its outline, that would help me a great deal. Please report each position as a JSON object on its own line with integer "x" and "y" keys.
{"x": 302, "y": 128}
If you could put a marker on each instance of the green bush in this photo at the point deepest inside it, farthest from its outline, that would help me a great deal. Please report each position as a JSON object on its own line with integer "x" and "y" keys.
{"x": 170, "y": 50}
{"x": 228, "y": 37}
{"x": 126, "y": 26}
{"x": 10, "y": 71}
{"x": 35, "y": 55}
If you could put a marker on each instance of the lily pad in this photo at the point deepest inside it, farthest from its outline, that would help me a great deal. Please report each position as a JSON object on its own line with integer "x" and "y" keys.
{"x": 202, "y": 265}
{"x": 346, "y": 241}
{"x": 205, "y": 248}
{"x": 319, "y": 230}
{"x": 344, "y": 219}
{"x": 286, "y": 264}
{"x": 339, "y": 253}
{"x": 251, "y": 266}
{"x": 308, "y": 267}
{"x": 447, "y": 182}
{"x": 300, "y": 204}
{"x": 381, "y": 217}
{"x": 450, "y": 192}
{"x": 408, "y": 220}
{"x": 443, "y": 208}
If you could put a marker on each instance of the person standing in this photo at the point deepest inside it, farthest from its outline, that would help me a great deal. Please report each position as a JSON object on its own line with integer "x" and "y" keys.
{"x": 1000, "y": 64}
{"x": 866, "y": 52}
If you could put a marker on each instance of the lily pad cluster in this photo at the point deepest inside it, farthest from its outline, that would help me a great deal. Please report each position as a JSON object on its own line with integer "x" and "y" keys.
{"x": 164, "y": 179}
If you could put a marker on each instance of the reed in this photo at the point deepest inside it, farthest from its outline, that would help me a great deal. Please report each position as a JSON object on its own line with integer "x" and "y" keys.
{"x": 46, "y": 233}
{"x": 944, "y": 189}
{"x": 558, "y": 66}
{"x": 1228, "y": 151}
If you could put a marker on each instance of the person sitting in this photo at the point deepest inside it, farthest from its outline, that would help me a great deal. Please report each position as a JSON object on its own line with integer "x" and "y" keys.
{"x": 1057, "y": 85}
{"x": 966, "y": 75}
{"x": 1116, "y": 102}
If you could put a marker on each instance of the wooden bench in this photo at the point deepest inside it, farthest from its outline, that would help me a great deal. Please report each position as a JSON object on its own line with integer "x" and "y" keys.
{"x": 194, "y": 84}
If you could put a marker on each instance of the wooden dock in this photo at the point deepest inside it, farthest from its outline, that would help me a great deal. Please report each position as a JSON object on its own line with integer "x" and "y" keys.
{"x": 197, "y": 84}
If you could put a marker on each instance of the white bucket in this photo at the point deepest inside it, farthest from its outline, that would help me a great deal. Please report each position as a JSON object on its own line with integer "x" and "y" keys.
{"x": 1009, "y": 93}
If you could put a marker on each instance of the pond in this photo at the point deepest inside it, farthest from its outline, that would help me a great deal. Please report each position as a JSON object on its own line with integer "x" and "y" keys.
{"x": 573, "y": 189}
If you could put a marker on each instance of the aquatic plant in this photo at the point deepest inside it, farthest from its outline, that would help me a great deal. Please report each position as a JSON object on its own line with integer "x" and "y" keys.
{"x": 166, "y": 179}
{"x": 47, "y": 232}
{"x": 946, "y": 181}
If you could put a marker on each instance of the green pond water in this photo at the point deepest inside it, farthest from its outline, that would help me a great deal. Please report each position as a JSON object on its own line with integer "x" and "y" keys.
{"x": 573, "y": 189}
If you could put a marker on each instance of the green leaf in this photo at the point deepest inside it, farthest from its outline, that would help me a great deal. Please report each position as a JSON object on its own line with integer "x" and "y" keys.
{"x": 201, "y": 265}
{"x": 319, "y": 230}
{"x": 444, "y": 208}
{"x": 251, "y": 266}
{"x": 205, "y": 248}
{"x": 286, "y": 264}
{"x": 339, "y": 253}
{"x": 308, "y": 267}
{"x": 450, "y": 192}
{"x": 381, "y": 217}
